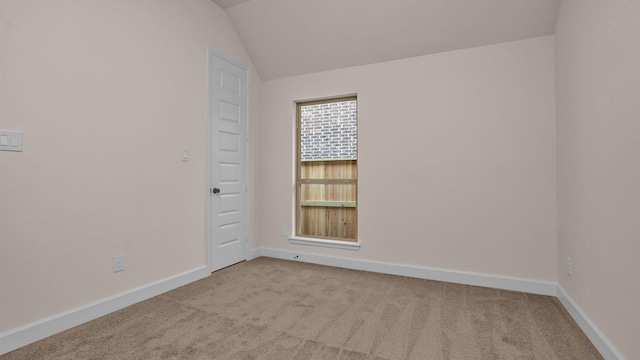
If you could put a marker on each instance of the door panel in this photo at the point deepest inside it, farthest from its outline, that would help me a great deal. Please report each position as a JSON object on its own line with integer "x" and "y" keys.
{"x": 228, "y": 208}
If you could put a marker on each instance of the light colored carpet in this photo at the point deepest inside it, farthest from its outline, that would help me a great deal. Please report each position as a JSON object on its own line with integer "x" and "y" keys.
{"x": 276, "y": 309}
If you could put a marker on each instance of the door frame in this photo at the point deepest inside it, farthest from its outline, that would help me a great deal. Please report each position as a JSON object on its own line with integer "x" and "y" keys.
{"x": 247, "y": 158}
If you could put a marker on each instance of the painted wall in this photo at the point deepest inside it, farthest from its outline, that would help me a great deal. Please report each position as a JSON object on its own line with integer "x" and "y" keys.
{"x": 598, "y": 127}
{"x": 456, "y": 159}
{"x": 106, "y": 93}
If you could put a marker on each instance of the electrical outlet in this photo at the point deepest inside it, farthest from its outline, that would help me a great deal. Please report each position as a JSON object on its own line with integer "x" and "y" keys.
{"x": 118, "y": 263}
{"x": 569, "y": 269}
{"x": 10, "y": 140}
{"x": 284, "y": 232}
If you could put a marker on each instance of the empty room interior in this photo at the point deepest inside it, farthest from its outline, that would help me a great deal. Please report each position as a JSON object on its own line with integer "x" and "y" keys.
{"x": 148, "y": 145}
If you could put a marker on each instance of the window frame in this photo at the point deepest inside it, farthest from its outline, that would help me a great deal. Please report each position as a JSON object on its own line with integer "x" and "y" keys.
{"x": 304, "y": 239}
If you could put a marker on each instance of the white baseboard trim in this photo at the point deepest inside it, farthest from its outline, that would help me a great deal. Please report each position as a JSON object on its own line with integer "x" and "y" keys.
{"x": 604, "y": 346}
{"x": 26, "y": 334}
{"x": 453, "y": 276}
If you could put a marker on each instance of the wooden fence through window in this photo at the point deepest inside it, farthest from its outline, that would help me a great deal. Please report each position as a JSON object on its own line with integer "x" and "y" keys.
{"x": 329, "y": 210}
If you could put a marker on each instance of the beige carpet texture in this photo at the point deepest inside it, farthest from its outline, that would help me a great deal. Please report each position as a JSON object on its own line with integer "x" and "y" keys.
{"x": 277, "y": 309}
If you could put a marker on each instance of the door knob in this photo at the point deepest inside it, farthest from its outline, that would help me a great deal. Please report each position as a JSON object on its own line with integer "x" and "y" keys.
{"x": 215, "y": 190}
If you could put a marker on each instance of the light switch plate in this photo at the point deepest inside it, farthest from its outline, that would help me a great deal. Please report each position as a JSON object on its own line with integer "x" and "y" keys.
{"x": 118, "y": 263}
{"x": 10, "y": 140}
{"x": 185, "y": 155}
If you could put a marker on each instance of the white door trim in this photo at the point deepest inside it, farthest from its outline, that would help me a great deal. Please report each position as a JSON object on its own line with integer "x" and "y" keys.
{"x": 207, "y": 194}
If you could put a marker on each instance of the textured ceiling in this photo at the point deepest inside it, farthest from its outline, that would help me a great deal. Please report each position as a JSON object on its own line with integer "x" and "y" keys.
{"x": 294, "y": 37}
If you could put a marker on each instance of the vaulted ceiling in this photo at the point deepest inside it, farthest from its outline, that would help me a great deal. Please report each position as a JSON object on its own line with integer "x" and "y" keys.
{"x": 293, "y": 37}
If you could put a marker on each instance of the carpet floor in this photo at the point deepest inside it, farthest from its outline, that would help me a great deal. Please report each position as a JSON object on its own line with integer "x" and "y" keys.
{"x": 277, "y": 309}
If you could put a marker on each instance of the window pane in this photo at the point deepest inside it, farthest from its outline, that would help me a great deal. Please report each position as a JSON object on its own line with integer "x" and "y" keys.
{"x": 327, "y": 169}
{"x": 328, "y": 210}
{"x": 328, "y": 131}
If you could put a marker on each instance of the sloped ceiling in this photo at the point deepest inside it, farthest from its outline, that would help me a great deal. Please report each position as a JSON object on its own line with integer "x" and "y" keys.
{"x": 293, "y": 37}
{"x": 228, "y": 3}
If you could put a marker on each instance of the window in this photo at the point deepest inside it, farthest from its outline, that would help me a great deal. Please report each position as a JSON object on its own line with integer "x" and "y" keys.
{"x": 327, "y": 169}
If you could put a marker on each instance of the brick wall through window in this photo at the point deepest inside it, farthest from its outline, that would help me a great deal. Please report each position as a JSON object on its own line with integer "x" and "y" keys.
{"x": 329, "y": 131}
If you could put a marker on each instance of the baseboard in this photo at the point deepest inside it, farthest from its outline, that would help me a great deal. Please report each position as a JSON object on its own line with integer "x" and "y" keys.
{"x": 38, "y": 330}
{"x": 453, "y": 276}
{"x": 604, "y": 346}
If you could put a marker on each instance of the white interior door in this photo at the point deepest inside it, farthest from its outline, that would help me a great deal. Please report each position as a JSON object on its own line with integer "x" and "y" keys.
{"x": 228, "y": 138}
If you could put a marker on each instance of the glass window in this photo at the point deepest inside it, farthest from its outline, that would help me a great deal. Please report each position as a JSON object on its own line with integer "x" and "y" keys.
{"x": 327, "y": 171}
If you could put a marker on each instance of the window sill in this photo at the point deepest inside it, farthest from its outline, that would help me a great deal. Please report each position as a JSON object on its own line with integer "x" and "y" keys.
{"x": 336, "y": 244}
